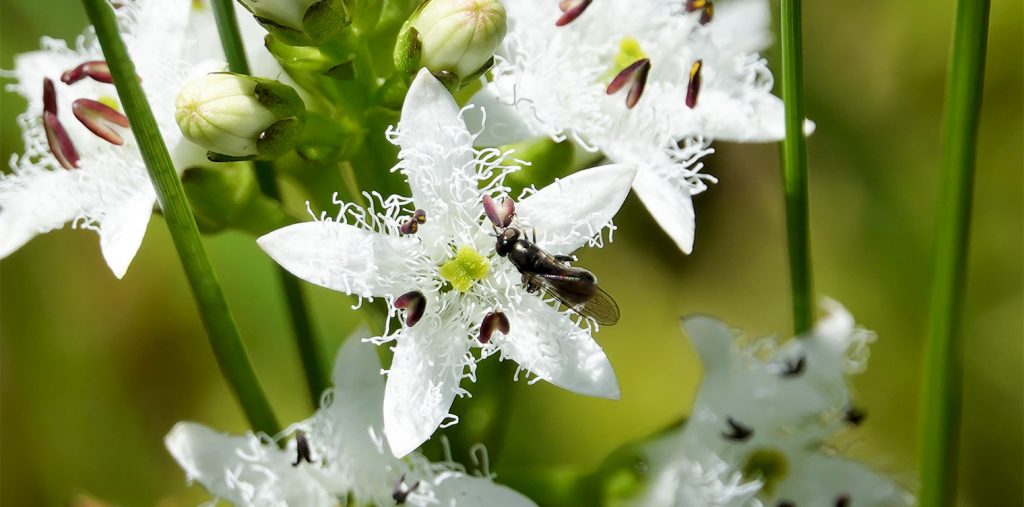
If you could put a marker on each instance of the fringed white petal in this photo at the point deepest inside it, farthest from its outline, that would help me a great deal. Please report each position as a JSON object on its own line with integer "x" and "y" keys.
{"x": 437, "y": 155}
{"x": 572, "y": 211}
{"x": 122, "y": 230}
{"x": 422, "y": 382}
{"x": 819, "y": 479}
{"x": 343, "y": 257}
{"x": 670, "y": 203}
{"x": 504, "y": 125}
{"x": 550, "y": 345}
{"x": 455, "y": 489}
{"x": 243, "y": 470}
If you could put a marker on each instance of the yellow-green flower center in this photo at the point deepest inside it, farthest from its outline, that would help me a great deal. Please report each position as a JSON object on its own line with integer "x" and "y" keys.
{"x": 769, "y": 465}
{"x": 629, "y": 52}
{"x": 467, "y": 267}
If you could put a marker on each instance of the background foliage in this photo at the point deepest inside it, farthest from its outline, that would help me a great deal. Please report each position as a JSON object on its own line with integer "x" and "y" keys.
{"x": 94, "y": 371}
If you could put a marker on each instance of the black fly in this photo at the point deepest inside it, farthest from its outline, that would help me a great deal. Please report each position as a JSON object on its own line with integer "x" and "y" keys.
{"x": 552, "y": 275}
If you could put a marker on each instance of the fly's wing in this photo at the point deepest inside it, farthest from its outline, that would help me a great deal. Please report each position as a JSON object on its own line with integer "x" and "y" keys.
{"x": 592, "y": 302}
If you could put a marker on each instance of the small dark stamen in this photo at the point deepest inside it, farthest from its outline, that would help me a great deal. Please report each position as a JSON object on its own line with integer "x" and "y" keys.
{"x": 707, "y": 13}
{"x": 843, "y": 500}
{"x": 409, "y": 227}
{"x": 737, "y": 432}
{"x": 636, "y": 76}
{"x": 493, "y": 321}
{"x": 96, "y": 69}
{"x": 401, "y": 493}
{"x": 301, "y": 449}
{"x": 794, "y": 368}
{"x": 420, "y": 216}
{"x": 414, "y": 305}
{"x": 855, "y": 416}
{"x": 693, "y": 87}
{"x": 99, "y": 118}
{"x": 49, "y": 97}
{"x": 499, "y": 213}
{"x": 571, "y": 9}
{"x": 786, "y": 503}
{"x": 694, "y": 5}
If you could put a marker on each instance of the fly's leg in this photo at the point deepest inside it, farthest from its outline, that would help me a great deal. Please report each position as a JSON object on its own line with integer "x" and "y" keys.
{"x": 534, "y": 238}
{"x": 566, "y": 258}
{"x": 531, "y": 285}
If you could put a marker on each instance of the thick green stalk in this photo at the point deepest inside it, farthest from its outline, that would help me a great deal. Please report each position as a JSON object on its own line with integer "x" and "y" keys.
{"x": 794, "y": 170}
{"x": 943, "y": 360}
{"x": 213, "y": 309}
{"x": 313, "y": 368}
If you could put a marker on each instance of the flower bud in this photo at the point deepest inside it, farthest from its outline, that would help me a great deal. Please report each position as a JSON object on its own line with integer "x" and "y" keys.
{"x": 227, "y": 197}
{"x": 455, "y": 39}
{"x": 300, "y": 22}
{"x": 238, "y": 117}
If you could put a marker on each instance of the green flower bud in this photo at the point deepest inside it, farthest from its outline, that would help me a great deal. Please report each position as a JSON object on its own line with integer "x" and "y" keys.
{"x": 455, "y": 39}
{"x": 228, "y": 197}
{"x": 238, "y": 117}
{"x": 300, "y": 22}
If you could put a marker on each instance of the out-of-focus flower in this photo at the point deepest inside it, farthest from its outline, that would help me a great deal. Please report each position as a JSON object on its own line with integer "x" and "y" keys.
{"x": 765, "y": 415}
{"x": 433, "y": 255}
{"x": 454, "y": 39}
{"x": 235, "y": 116}
{"x": 339, "y": 452}
{"x": 81, "y": 164}
{"x": 645, "y": 82}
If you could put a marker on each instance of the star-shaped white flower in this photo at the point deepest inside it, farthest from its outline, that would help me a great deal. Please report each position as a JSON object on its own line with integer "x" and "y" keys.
{"x": 87, "y": 169}
{"x": 644, "y": 82}
{"x": 342, "y": 455}
{"x": 448, "y": 274}
{"x": 768, "y": 411}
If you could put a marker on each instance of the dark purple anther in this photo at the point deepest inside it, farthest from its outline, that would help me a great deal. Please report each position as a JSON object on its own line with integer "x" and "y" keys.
{"x": 493, "y": 321}
{"x": 100, "y": 119}
{"x": 49, "y": 97}
{"x": 60, "y": 143}
{"x": 96, "y": 69}
{"x": 414, "y": 305}
{"x": 500, "y": 213}
{"x": 843, "y": 500}
{"x": 409, "y": 227}
{"x": 693, "y": 88}
{"x": 420, "y": 216}
{"x": 693, "y": 5}
{"x": 301, "y": 449}
{"x": 636, "y": 76}
{"x": 737, "y": 432}
{"x": 401, "y": 493}
{"x": 571, "y": 9}
{"x": 707, "y": 13}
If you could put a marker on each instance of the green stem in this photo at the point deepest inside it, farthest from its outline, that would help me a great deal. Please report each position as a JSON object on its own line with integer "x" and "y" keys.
{"x": 316, "y": 374}
{"x": 794, "y": 170}
{"x": 220, "y": 325}
{"x": 943, "y": 360}
{"x": 230, "y": 36}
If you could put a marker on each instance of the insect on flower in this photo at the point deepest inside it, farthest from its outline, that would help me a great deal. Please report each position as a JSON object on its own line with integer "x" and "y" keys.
{"x": 552, "y": 275}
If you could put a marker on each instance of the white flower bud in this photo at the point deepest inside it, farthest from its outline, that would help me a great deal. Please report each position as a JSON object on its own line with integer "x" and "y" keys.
{"x": 236, "y": 116}
{"x": 300, "y": 22}
{"x": 456, "y": 37}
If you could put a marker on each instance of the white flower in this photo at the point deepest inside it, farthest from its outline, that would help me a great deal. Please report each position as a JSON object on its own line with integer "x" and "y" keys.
{"x": 768, "y": 411}
{"x": 101, "y": 186}
{"x": 346, "y": 451}
{"x": 449, "y": 265}
{"x": 687, "y": 83}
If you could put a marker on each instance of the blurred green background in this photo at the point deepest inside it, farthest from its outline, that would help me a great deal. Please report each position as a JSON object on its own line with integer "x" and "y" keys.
{"x": 95, "y": 370}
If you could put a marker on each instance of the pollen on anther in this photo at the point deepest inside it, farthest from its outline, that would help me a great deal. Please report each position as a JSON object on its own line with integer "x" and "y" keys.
{"x": 693, "y": 87}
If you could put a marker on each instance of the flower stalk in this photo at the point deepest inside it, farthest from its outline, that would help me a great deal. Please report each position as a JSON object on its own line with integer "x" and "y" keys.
{"x": 302, "y": 328}
{"x": 794, "y": 170}
{"x": 943, "y": 362}
{"x": 217, "y": 319}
